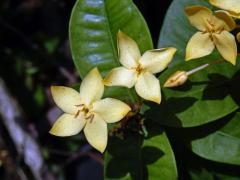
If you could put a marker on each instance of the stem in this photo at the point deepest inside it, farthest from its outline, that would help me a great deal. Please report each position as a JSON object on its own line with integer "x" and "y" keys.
{"x": 197, "y": 69}
{"x": 202, "y": 67}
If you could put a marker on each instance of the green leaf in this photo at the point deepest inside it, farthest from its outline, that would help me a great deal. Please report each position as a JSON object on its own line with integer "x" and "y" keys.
{"x": 136, "y": 158}
{"x": 176, "y": 30}
{"x": 93, "y": 31}
{"x": 222, "y": 145}
{"x": 206, "y": 97}
{"x": 201, "y": 174}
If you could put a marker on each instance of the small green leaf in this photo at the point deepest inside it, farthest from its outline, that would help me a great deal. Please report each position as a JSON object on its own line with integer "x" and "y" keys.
{"x": 137, "y": 158}
{"x": 222, "y": 145}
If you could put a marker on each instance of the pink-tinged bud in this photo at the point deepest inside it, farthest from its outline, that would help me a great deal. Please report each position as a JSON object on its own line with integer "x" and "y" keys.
{"x": 176, "y": 79}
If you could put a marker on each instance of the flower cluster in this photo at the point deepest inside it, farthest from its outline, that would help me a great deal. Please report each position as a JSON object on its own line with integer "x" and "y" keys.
{"x": 85, "y": 110}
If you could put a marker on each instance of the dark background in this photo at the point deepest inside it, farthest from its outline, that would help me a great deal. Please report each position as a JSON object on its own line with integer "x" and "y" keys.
{"x": 35, "y": 54}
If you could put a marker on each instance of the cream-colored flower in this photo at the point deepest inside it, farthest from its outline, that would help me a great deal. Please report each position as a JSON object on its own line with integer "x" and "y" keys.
{"x": 138, "y": 70}
{"x": 86, "y": 110}
{"x": 232, "y": 6}
{"x": 213, "y": 31}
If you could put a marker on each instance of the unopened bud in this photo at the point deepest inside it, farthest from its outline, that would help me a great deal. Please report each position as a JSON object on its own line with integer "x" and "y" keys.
{"x": 176, "y": 79}
{"x": 238, "y": 37}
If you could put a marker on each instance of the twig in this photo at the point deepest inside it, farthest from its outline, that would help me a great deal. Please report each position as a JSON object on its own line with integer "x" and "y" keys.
{"x": 25, "y": 145}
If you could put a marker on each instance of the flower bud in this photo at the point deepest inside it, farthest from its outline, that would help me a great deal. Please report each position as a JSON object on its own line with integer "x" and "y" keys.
{"x": 238, "y": 37}
{"x": 176, "y": 79}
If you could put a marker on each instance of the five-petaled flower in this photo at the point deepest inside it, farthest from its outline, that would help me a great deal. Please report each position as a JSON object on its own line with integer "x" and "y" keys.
{"x": 232, "y": 6}
{"x": 86, "y": 110}
{"x": 138, "y": 70}
{"x": 214, "y": 31}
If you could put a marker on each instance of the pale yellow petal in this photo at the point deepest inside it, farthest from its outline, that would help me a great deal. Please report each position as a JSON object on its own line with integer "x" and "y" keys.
{"x": 234, "y": 15}
{"x": 92, "y": 87}
{"x": 230, "y": 5}
{"x": 198, "y": 16}
{"x": 68, "y": 125}
{"x": 224, "y": 20}
{"x": 121, "y": 77}
{"x": 96, "y": 133}
{"x": 128, "y": 50}
{"x": 157, "y": 60}
{"x": 111, "y": 110}
{"x": 148, "y": 87}
{"x": 226, "y": 45}
{"x": 66, "y": 98}
{"x": 198, "y": 46}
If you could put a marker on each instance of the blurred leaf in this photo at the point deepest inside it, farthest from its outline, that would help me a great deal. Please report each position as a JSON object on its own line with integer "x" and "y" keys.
{"x": 137, "y": 158}
{"x": 205, "y": 97}
{"x": 51, "y": 45}
{"x": 93, "y": 31}
{"x": 222, "y": 145}
{"x": 176, "y": 30}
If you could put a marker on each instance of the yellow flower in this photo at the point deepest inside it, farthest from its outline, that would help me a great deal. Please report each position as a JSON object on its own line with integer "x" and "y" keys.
{"x": 86, "y": 110}
{"x": 232, "y": 6}
{"x": 138, "y": 70}
{"x": 213, "y": 31}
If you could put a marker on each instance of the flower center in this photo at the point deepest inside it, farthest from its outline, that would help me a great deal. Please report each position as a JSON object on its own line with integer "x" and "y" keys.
{"x": 139, "y": 69}
{"x": 84, "y": 109}
{"x": 211, "y": 28}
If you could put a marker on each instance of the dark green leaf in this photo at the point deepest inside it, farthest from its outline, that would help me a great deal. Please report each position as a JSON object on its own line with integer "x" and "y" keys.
{"x": 136, "y": 158}
{"x": 205, "y": 97}
{"x": 222, "y": 145}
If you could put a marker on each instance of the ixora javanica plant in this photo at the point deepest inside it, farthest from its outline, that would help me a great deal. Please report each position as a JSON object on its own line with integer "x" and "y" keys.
{"x": 213, "y": 31}
{"x": 86, "y": 110}
{"x": 138, "y": 70}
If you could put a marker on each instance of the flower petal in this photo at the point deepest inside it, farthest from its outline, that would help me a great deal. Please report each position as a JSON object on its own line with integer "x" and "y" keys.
{"x": 68, "y": 125}
{"x": 224, "y": 20}
{"x": 226, "y": 45}
{"x": 66, "y": 98}
{"x": 92, "y": 87}
{"x": 96, "y": 133}
{"x": 198, "y": 46}
{"x": 121, "y": 77}
{"x": 230, "y": 5}
{"x": 157, "y": 60}
{"x": 198, "y": 16}
{"x": 148, "y": 87}
{"x": 111, "y": 110}
{"x": 128, "y": 50}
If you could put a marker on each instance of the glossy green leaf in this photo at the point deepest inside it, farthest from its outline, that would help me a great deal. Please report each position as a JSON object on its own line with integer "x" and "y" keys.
{"x": 135, "y": 158}
{"x": 222, "y": 145}
{"x": 176, "y": 30}
{"x": 93, "y": 30}
{"x": 206, "y": 97}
